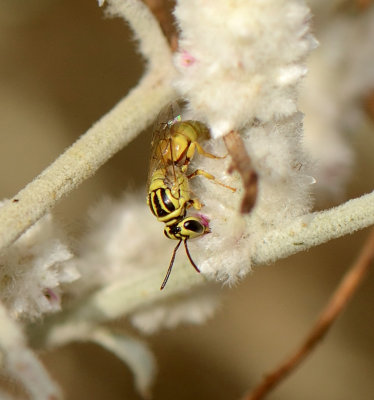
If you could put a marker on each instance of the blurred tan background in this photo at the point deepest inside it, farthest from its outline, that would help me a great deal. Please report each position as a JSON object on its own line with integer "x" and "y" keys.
{"x": 62, "y": 66}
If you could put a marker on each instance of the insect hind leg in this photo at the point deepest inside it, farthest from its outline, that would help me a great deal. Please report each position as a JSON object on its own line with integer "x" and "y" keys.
{"x": 201, "y": 172}
{"x": 204, "y": 153}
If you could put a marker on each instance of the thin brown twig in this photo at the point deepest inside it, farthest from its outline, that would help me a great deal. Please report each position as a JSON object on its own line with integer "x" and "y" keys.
{"x": 369, "y": 104}
{"x": 338, "y": 301}
{"x": 243, "y": 164}
{"x": 162, "y": 10}
{"x": 364, "y": 4}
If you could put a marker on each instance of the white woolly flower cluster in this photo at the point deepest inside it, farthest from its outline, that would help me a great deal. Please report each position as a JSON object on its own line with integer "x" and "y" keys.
{"x": 32, "y": 271}
{"x": 125, "y": 243}
{"x": 231, "y": 77}
{"x": 241, "y": 61}
{"x": 249, "y": 81}
{"x": 240, "y": 64}
{"x": 192, "y": 309}
{"x": 225, "y": 253}
{"x": 118, "y": 243}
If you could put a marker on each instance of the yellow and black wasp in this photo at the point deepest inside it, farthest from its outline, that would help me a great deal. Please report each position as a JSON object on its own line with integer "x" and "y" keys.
{"x": 174, "y": 144}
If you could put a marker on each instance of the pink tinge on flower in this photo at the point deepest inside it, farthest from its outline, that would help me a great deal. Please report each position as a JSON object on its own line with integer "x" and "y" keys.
{"x": 187, "y": 58}
{"x": 204, "y": 220}
{"x": 51, "y": 295}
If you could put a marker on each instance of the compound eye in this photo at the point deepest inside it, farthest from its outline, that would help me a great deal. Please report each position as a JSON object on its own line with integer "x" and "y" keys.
{"x": 194, "y": 226}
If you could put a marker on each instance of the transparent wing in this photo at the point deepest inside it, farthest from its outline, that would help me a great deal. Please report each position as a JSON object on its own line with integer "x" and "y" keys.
{"x": 160, "y": 142}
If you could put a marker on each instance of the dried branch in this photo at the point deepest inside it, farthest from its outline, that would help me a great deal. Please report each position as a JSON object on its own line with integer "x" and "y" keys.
{"x": 338, "y": 301}
{"x": 242, "y": 163}
{"x": 162, "y": 10}
{"x": 364, "y": 4}
{"x": 369, "y": 104}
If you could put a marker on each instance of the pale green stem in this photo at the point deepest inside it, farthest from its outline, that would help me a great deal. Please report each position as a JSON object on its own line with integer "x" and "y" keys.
{"x": 83, "y": 158}
{"x": 107, "y": 136}
{"x": 315, "y": 228}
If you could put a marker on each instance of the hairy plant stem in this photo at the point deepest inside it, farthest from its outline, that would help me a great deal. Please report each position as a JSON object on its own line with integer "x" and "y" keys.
{"x": 124, "y": 297}
{"x": 107, "y": 136}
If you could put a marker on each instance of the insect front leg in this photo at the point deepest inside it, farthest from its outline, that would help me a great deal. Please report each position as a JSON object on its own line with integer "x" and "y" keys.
{"x": 195, "y": 203}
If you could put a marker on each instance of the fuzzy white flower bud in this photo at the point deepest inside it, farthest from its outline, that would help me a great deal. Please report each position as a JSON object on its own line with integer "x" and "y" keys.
{"x": 245, "y": 59}
{"x": 32, "y": 271}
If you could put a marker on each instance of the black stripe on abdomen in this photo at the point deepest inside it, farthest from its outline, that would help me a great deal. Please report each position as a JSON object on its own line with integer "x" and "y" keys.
{"x": 161, "y": 204}
{"x": 166, "y": 201}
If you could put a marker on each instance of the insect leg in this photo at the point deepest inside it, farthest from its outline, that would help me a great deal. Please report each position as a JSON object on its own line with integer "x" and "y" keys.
{"x": 203, "y": 152}
{"x": 209, "y": 176}
{"x": 191, "y": 151}
{"x": 195, "y": 203}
